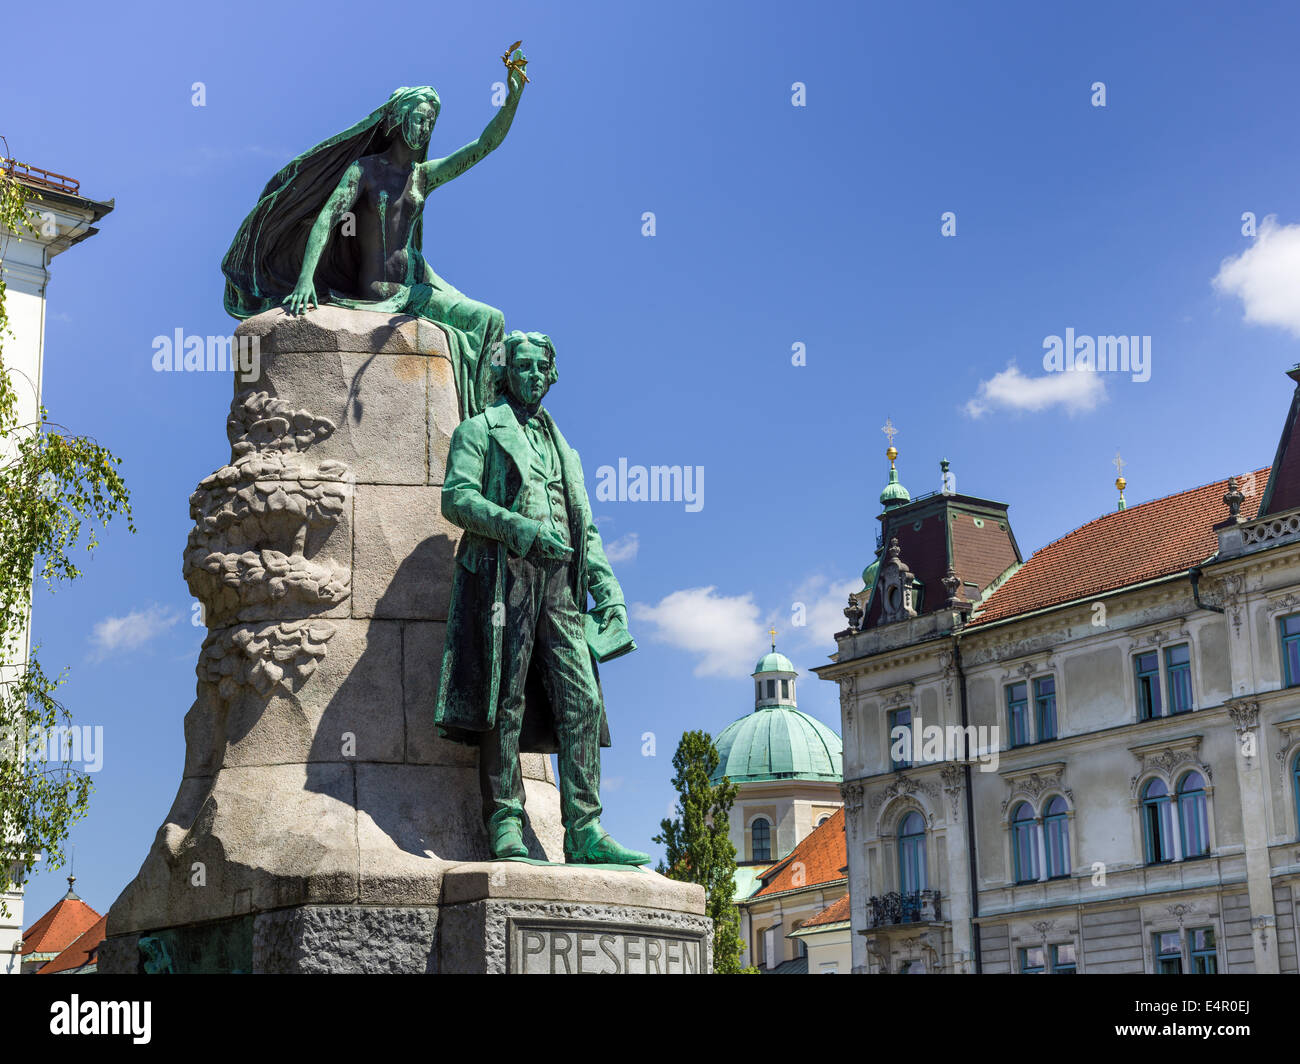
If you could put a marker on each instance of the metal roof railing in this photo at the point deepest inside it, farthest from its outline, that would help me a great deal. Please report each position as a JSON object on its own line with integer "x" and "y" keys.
{"x": 35, "y": 175}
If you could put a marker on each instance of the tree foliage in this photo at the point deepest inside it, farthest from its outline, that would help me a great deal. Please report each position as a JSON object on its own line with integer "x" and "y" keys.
{"x": 698, "y": 844}
{"x": 55, "y": 488}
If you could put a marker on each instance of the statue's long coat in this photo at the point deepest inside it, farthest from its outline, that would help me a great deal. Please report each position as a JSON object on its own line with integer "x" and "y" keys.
{"x": 482, "y": 494}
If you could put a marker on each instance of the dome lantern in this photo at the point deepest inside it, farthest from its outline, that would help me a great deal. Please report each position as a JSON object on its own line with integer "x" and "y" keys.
{"x": 774, "y": 677}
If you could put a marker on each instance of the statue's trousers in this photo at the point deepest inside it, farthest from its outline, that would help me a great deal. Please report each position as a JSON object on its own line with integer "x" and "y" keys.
{"x": 543, "y": 628}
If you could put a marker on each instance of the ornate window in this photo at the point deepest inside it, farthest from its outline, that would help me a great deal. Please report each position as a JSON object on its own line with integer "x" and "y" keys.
{"x": 1056, "y": 837}
{"x": 1192, "y": 816}
{"x": 911, "y": 853}
{"x": 1045, "y": 707}
{"x": 1177, "y": 686}
{"x": 1024, "y": 843}
{"x": 1201, "y": 956}
{"x": 1178, "y": 675}
{"x": 1018, "y": 713}
{"x": 760, "y": 833}
{"x": 1290, "y": 629}
{"x": 900, "y": 721}
{"x": 1157, "y": 823}
{"x": 1148, "y": 685}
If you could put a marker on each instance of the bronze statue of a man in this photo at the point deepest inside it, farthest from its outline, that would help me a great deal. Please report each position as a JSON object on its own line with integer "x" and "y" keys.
{"x": 518, "y": 669}
{"x": 343, "y": 223}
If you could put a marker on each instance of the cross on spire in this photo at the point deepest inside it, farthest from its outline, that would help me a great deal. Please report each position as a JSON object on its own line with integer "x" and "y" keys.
{"x": 772, "y": 632}
{"x": 1118, "y": 463}
{"x": 889, "y": 430}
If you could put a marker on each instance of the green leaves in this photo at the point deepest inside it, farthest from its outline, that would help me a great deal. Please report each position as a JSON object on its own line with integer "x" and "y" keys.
{"x": 698, "y": 844}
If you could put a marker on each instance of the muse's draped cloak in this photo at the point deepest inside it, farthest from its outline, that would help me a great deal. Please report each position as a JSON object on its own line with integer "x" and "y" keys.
{"x": 266, "y": 256}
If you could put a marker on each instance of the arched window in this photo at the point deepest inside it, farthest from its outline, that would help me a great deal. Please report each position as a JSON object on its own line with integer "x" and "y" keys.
{"x": 1157, "y": 823}
{"x": 761, "y": 836}
{"x": 822, "y": 819}
{"x": 911, "y": 853}
{"x": 1056, "y": 838}
{"x": 1191, "y": 815}
{"x": 1024, "y": 843}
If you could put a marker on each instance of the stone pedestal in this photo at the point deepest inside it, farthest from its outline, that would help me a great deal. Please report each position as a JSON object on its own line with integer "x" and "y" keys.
{"x": 318, "y": 813}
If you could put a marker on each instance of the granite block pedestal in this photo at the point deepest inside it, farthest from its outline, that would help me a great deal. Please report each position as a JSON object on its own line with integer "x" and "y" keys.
{"x": 320, "y": 824}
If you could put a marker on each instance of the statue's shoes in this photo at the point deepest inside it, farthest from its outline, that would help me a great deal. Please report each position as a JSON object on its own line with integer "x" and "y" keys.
{"x": 508, "y": 840}
{"x": 604, "y": 850}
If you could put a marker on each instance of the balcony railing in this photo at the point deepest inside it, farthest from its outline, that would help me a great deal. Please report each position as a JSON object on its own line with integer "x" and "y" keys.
{"x": 904, "y": 907}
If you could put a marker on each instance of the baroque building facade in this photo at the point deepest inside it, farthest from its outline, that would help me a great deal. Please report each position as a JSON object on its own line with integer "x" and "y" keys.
{"x": 1086, "y": 762}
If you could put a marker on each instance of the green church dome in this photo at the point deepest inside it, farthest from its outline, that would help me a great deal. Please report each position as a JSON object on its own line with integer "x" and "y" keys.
{"x": 778, "y": 743}
{"x": 773, "y": 662}
{"x": 869, "y": 576}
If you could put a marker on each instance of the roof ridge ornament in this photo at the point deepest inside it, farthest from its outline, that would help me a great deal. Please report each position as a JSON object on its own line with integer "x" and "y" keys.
{"x": 1233, "y": 498}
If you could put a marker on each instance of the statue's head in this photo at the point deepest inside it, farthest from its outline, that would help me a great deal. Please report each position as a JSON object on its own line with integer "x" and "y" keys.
{"x": 414, "y": 111}
{"x": 528, "y": 366}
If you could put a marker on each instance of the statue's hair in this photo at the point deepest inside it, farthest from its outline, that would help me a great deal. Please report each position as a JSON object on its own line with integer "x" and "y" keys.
{"x": 404, "y": 101}
{"x": 512, "y": 342}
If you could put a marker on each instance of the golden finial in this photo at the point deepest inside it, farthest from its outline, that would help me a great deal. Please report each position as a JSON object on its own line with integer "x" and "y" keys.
{"x": 890, "y": 432}
{"x": 772, "y": 632}
{"x": 1120, "y": 482}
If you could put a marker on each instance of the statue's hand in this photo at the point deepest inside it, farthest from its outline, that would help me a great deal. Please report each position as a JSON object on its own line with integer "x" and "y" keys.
{"x": 516, "y": 65}
{"x": 550, "y": 544}
{"x": 297, "y": 301}
{"x": 614, "y": 613}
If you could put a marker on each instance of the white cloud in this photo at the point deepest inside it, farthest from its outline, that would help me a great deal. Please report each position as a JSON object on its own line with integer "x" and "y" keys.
{"x": 624, "y": 548}
{"x": 1076, "y": 390}
{"x": 723, "y": 631}
{"x": 114, "y": 635}
{"x": 1266, "y": 276}
{"x": 824, "y": 601}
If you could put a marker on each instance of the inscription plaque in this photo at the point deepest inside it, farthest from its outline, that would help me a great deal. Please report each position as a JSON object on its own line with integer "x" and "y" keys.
{"x": 555, "y": 948}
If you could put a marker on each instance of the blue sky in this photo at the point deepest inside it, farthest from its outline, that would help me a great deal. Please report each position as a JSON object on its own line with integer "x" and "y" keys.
{"x": 775, "y": 225}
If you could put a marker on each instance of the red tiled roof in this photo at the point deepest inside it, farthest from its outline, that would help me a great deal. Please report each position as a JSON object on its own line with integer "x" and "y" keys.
{"x": 54, "y": 932}
{"x": 837, "y": 912}
{"x": 1155, "y": 539}
{"x": 820, "y": 858}
{"x": 80, "y": 952}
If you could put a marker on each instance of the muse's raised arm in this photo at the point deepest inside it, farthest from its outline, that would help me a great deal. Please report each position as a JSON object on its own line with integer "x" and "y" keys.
{"x": 440, "y": 171}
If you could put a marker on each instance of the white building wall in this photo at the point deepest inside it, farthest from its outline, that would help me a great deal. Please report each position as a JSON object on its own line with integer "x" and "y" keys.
{"x": 24, "y": 265}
